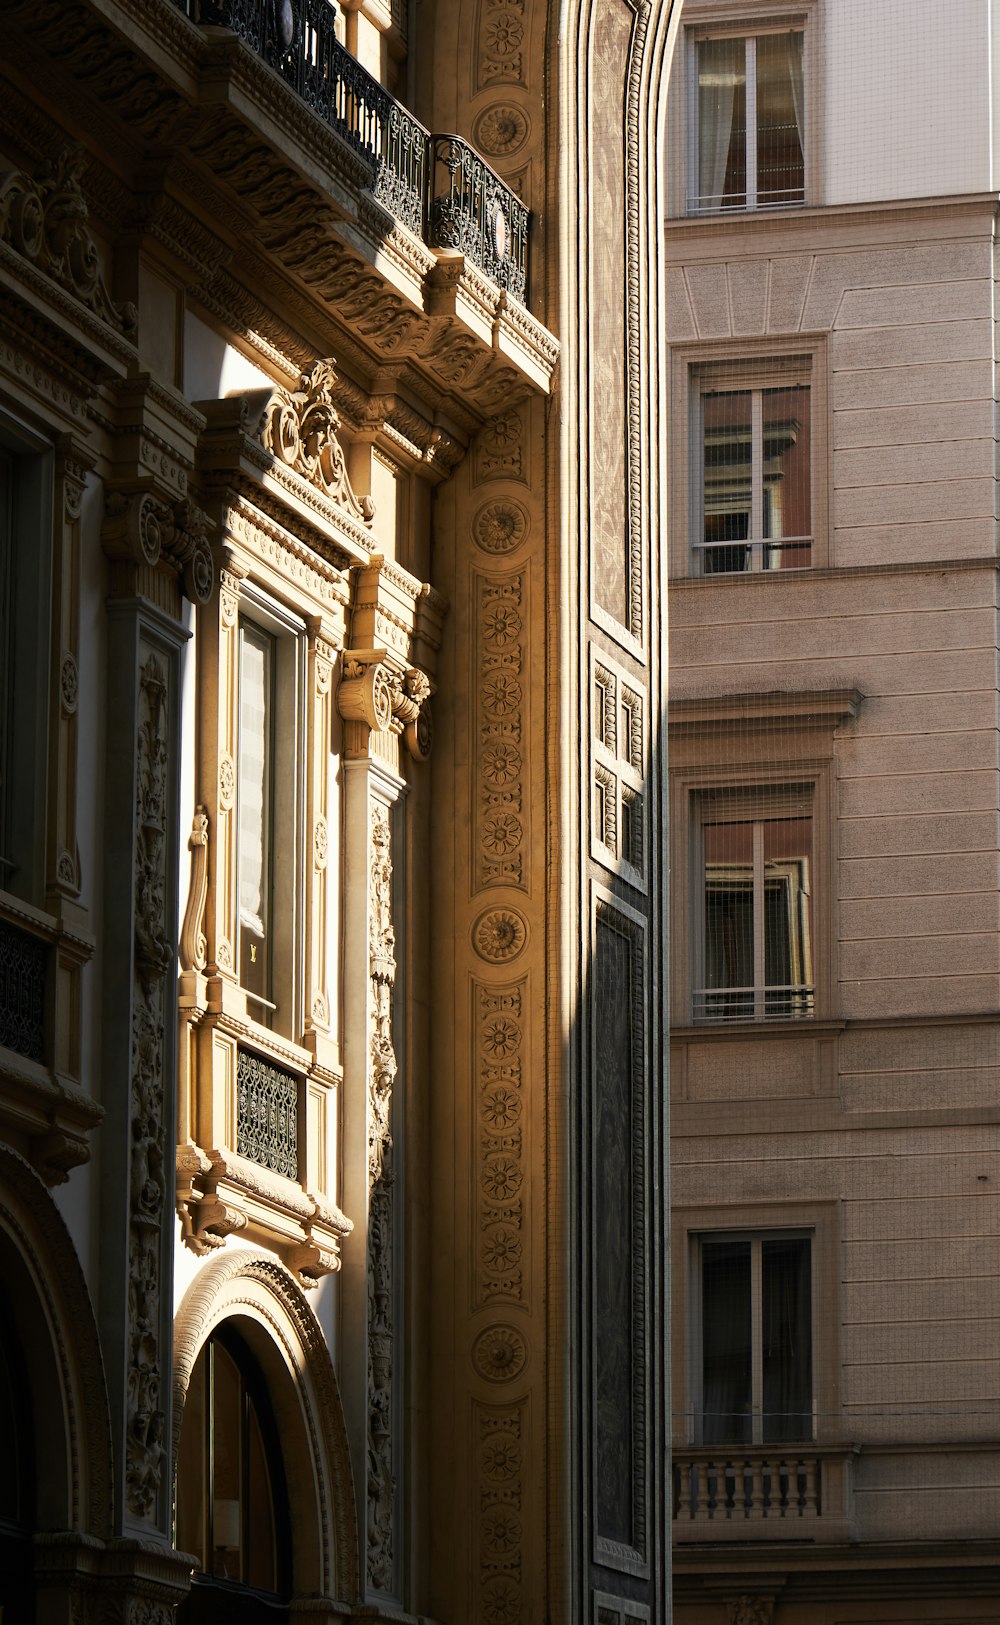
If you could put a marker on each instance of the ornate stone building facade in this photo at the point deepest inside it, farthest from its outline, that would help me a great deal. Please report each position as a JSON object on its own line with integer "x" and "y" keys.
{"x": 332, "y": 1139}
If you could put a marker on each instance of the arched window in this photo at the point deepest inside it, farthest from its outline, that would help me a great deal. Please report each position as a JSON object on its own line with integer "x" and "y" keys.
{"x": 231, "y": 1502}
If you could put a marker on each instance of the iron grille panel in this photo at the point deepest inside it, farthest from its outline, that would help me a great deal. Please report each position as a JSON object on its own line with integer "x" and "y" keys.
{"x": 23, "y": 962}
{"x": 267, "y": 1114}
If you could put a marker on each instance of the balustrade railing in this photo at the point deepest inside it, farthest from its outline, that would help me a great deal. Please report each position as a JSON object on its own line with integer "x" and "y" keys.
{"x": 761, "y": 1492}
{"x": 437, "y": 186}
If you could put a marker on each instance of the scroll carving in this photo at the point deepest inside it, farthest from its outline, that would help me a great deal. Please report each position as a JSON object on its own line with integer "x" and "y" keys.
{"x": 194, "y": 948}
{"x": 141, "y": 528}
{"x": 45, "y": 221}
{"x": 147, "y": 1184}
{"x": 300, "y": 428}
{"x": 381, "y": 697}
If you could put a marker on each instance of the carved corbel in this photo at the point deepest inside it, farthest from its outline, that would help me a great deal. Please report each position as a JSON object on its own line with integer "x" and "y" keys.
{"x": 140, "y": 528}
{"x": 205, "y": 1220}
{"x": 377, "y": 694}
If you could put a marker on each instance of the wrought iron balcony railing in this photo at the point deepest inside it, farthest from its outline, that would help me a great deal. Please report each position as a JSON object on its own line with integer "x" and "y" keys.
{"x": 475, "y": 211}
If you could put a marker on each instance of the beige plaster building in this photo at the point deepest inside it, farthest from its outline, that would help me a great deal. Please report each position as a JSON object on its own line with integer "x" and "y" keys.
{"x": 831, "y": 266}
{"x": 332, "y": 1119}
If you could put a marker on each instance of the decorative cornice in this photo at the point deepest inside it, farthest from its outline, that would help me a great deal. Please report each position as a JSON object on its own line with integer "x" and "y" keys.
{"x": 825, "y": 707}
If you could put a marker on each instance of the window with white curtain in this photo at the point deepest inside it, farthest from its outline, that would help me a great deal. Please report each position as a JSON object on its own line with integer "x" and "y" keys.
{"x": 749, "y": 131}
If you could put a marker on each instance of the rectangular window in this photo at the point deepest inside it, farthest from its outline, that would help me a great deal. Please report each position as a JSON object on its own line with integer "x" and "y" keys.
{"x": 756, "y": 1358}
{"x": 755, "y": 882}
{"x": 255, "y": 794}
{"x": 750, "y": 122}
{"x": 755, "y": 461}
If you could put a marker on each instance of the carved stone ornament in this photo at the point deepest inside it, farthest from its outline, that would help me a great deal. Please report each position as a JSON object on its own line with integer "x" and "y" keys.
{"x": 193, "y": 946}
{"x": 386, "y": 699}
{"x": 502, "y": 130}
{"x": 141, "y": 528}
{"x": 300, "y": 429}
{"x": 382, "y": 970}
{"x": 499, "y": 935}
{"x": 145, "y": 1417}
{"x": 381, "y": 1477}
{"x": 45, "y": 221}
{"x": 750, "y": 1610}
{"x": 499, "y": 1353}
{"x": 500, "y": 527}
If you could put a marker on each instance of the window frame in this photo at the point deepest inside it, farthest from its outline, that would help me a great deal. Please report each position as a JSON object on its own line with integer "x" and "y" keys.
{"x": 281, "y": 1012}
{"x": 755, "y": 1239}
{"x": 700, "y": 368}
{"x": 691, "y": 1225}
{"x": 774, "y": 758}
{"x": 741, "y": 19}
{"x": 777, "y": 802}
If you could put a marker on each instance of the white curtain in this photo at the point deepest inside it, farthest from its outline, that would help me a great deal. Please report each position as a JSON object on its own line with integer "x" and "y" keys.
{"x": 721, "y": 66}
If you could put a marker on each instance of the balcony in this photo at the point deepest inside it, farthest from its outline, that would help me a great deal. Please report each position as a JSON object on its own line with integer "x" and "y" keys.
{"x": 435, "y": 185}
{"x": 762, "y": 1492}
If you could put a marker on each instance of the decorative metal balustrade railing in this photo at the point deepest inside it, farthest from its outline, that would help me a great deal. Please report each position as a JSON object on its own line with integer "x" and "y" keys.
{"x": 23, "y": 963}
{"x": 437, "y": 186}
{"x": 267, "y": 1114}
{"x": 477, "y": 213}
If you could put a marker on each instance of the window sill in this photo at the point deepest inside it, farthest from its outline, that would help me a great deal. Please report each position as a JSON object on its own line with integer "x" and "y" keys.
{"x": 723, "y": 1032}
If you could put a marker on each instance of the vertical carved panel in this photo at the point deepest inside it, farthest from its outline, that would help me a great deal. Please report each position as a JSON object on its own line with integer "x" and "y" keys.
{"x": 145, "y": 1421}
{"x": 617, "y": 37}
{"x": 498, "y": 1154}
{"x": 382, "y": 1073}
{"x": 501, "y": 833}
{"x": 226, "y": 663}
{"x": 618, "y": 1246}
{"x": 321, "y": 656}
{"x": 499, "y": 1442}
{"x": 63, "y": 869}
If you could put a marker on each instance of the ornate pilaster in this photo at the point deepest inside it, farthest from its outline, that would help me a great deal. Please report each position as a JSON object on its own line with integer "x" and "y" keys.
{"x": 383, "y": 699}
{"x": 139, "y": 995}
{"x": 157, "y": 547}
